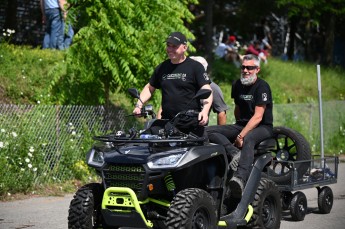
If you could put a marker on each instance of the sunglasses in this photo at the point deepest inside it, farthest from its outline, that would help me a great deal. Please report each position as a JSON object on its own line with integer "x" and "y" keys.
{"x": 248, "y": 67}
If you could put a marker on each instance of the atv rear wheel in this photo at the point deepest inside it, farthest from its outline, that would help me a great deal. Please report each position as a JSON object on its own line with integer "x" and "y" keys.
{"x": 85, "y": 207}
{"x": 267, "y": 206}
{"x": 290, "y": 146}
{"x": 192, "y": 209}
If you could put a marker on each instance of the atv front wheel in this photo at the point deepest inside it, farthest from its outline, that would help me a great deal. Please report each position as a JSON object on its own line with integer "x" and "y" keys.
{"x": 85, "y": 207}
{"x": 191, "y": 209}
{"x": 267, "y": 206}
{"x": 291, "y": 146}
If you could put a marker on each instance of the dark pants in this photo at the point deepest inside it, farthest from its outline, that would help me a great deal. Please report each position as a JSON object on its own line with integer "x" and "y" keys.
{"x": 226, "y": 134}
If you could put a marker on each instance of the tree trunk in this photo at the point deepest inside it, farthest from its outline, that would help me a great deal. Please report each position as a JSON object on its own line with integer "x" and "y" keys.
{"x": 11, "y": 15}
{"x": 329, "y": 39}
{"x": 209, "y": 29}
{"x": 291, "y": 46}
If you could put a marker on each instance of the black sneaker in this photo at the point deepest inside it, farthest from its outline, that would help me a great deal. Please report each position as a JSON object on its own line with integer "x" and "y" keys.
{"x": 236, "y": 185}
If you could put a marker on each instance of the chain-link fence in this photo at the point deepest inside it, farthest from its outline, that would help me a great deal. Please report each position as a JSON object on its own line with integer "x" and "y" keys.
{"x": 52, "y": 141}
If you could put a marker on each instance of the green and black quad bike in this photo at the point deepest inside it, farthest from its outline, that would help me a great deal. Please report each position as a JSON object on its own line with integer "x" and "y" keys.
{"x": 164, "y": 178}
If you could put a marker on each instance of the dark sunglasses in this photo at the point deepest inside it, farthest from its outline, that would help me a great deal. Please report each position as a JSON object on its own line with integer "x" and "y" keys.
{"x": 248, "y": 67}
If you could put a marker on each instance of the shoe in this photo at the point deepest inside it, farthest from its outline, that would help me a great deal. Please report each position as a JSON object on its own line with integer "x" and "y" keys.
{"x": 236, "y": 185}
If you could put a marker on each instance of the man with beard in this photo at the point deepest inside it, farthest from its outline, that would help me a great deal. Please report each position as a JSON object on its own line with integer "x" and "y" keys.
{"x": 254, "y": 122}
{"x": 179, "y": 79}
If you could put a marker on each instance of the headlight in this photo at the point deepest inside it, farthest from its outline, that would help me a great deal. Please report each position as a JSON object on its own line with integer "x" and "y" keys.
{"x": 169, "y": 160}
{"x": 96, "y": 158}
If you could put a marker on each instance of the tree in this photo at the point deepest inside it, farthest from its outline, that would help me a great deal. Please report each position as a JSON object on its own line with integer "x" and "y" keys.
{"x": 324, "y": 11}
{"x": 118, "y": 45}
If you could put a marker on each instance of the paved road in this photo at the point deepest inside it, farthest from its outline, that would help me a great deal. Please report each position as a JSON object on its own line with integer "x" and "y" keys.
{"x": 51, "y": 212}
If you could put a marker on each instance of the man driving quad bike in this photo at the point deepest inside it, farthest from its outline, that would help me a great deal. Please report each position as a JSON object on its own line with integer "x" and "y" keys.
{"x": 179, "y": 78}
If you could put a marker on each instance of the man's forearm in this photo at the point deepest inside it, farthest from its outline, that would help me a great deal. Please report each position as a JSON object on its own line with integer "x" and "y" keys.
{"x": 145, "y": 95}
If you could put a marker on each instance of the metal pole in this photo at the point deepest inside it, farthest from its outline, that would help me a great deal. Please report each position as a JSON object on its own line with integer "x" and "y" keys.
{"x": 320, "y": 108}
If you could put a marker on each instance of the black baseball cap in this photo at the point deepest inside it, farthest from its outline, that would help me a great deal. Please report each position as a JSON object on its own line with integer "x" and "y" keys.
{"x": 177, "y": 38}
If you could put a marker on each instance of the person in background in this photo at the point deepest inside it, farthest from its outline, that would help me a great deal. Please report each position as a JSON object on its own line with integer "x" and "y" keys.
{"x": 255, "y": 49}
{"x": 218, "y": 104}
{"x": 68, "y": 36}
{"x": 229, "y": 51}
{"x": 179, "y": 79}
{"x": 254, "y": 122}
{"x": 54, "y": 13}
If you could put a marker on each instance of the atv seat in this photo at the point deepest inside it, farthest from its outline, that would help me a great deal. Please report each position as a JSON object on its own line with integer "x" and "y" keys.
{"x": 265, "y": 145}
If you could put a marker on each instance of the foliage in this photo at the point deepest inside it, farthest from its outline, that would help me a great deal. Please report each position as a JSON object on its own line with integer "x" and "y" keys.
{"x": 20, "y": 159}
{"x": 313, "y": 8}
{"x": 118, "y": 46}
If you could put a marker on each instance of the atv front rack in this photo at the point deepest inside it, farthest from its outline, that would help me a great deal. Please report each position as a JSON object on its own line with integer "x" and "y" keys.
{"x": 154, "y": 139}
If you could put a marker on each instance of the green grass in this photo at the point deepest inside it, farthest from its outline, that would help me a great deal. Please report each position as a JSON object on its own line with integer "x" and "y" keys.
{"x": 24, "y": 73}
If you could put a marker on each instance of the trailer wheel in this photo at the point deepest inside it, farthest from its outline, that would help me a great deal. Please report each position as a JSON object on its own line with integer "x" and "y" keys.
{"x": 298, "y": 206}
{"x": 290, "y": 146}
{"x": 192, "y": 208}
{"x": 325, "y": 200}
{"x": 267, "y": 206}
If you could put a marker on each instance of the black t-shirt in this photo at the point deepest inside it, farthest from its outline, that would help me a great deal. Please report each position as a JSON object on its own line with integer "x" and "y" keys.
{"x": 247, "y": 97}
{"x": 179, "y": 83}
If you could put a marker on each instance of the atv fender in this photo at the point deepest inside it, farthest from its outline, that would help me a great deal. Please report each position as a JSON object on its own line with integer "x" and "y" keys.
{"x": 238, "y": 217}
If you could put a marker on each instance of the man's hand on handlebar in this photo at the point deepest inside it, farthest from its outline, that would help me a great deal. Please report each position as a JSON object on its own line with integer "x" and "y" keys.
{"x": 203, "y": 118}
{"x": 137, "y": 111}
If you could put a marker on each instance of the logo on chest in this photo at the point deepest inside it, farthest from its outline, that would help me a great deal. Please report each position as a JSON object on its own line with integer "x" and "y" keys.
{"x": 175, "y": 76}
{"x": 246, "y": 97}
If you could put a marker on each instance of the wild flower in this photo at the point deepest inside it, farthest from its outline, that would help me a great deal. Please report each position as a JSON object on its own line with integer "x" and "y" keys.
{"x": 7, "y": 33}
{"x": 14, "y": 134}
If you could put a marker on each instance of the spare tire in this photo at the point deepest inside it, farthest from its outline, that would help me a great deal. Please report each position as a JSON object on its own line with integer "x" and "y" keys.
{"x": 290, "y": 146}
